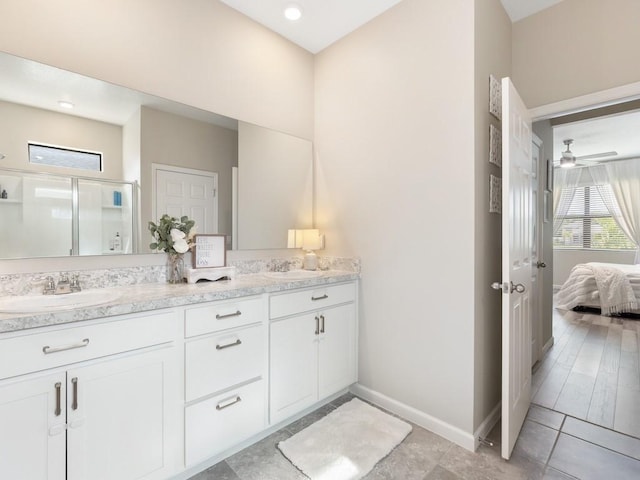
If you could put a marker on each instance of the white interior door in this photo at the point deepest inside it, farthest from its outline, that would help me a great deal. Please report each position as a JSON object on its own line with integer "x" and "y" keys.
{"x": 517, "y": 250}
{"x": 537, "y": 278}
{"x": 181, "y": 191}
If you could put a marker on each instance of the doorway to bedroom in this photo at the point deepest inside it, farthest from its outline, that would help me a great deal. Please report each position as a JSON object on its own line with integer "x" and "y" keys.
{"x": 590, "y": 367}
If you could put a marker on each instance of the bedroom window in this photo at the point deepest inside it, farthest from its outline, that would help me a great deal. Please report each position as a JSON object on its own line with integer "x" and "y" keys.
{"x": 588, "y": 223}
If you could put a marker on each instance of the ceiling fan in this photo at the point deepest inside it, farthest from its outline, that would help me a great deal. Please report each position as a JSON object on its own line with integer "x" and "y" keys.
{"x": 569, "y": 160}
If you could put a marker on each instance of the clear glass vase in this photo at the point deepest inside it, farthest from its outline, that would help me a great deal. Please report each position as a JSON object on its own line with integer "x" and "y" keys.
{"x": 175, "y": 268}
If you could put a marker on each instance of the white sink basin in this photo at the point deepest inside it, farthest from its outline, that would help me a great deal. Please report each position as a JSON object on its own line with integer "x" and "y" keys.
{"x": 55, "y": 303}
{"x": 293, "y": 274}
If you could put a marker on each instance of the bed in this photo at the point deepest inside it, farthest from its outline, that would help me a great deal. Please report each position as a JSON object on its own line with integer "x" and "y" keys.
{"x": 611, "y": 288}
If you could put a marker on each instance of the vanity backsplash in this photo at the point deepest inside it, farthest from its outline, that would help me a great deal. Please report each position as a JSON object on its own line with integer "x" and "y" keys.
{"x": 33, "y": 283}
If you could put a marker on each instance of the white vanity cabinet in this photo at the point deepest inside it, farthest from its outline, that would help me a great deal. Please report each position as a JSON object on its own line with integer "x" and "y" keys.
{"x": 312, "y": 346}
{"x": 95, "y": 401}
{"x": 225, "y": 375}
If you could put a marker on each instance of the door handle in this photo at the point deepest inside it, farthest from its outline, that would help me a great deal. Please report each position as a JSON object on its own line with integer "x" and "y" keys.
{"x": 541, "y": 265}
{"x": 226, "y": 403}
{"x": 508, "y": 287}
{"x": 47, "y": 349}
{"x": 58, "y": 410}
{"x": 237, "y": 313}
{"x": 228, "y": 345}
{"x": 74, "y": 403}
{"x": 321, "y": 323}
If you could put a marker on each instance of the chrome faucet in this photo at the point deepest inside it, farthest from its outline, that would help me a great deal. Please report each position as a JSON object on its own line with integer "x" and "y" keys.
{"x": 75, "y": 283}
{"x": 49, "y": 286}
{"x": 63, "y": 285}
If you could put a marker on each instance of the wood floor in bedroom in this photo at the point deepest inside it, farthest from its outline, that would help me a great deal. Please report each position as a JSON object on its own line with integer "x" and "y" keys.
{"x": 592, "y": 372}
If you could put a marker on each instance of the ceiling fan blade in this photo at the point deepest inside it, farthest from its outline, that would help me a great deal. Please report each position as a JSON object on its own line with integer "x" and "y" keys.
{"x": 597, "y": 155}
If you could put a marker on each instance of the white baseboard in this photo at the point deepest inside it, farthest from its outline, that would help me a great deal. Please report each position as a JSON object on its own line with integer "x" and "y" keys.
{"x": 487, "y": 425}
{"x": 547, "y": 346}
{"x": 435, "y": 425}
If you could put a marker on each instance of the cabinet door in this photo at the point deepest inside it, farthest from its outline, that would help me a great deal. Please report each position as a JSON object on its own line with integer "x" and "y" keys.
{"x": 116, "y": 413}
{"x": 337, "y": 349}
{"x": 32, "y": 434}
{"x": 293, "y": 366}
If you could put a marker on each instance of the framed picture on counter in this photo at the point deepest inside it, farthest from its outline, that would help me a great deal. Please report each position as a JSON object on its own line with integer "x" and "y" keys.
{"x": 209, "y": 250}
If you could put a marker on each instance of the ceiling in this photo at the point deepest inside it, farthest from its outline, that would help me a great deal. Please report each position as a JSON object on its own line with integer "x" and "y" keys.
{"x": 324, "y": 22}
{"x": 617, "y": 132}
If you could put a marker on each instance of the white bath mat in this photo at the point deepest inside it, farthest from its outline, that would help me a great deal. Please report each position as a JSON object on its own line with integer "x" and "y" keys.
{"x": 346, "y": 444}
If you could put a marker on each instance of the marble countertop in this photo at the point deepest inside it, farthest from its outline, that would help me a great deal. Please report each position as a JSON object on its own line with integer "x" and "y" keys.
{"x": 153, "y": 296}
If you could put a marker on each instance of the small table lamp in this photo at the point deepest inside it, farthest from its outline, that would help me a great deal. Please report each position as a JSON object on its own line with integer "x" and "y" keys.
{"x": 311, "y": 241}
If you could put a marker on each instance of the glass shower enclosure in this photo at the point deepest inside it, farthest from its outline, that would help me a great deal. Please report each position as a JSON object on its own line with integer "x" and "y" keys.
{"x": 46, "y": 215}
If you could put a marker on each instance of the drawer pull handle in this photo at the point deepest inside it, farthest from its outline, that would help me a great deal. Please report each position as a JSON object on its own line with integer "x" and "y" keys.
{"x": 47, "y": 349}
{"x": 321, "y": 323}
{"x": 222, "y": 405}
{"x": 74, "y": 404}
{"x": 317, "y": 326}
{"x": 58, "y": 410}
{"x": 232, "y": 344}
{"x": 321, "y": 297}
{"x": 237, "y": 313}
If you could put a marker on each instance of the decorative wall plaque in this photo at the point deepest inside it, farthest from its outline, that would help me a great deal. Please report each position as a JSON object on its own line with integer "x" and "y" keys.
{"x": 495, "y": 194}
{"x": 495, "y": 97}
{"x": 209, "y": 251}
{"x": 495, "y": 145}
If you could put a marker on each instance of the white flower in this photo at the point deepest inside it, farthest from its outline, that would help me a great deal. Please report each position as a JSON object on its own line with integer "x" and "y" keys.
{"x": 180, "y": 245}
{"x": 176, "y": 234}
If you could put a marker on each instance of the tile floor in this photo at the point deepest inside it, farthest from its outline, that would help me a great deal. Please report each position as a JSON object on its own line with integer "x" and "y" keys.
{"x": 566, "y": 435}
{"x": 592, "y": 372}
{"x": 551, "y": 446}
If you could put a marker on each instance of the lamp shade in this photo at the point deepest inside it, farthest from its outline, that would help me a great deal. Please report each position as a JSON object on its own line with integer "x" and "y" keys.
{"x": 311, "y": 239}
{"x": 294, "y": 238}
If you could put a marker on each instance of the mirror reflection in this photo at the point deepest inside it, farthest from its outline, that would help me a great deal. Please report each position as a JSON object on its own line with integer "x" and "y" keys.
{"x": 247, "y": 182}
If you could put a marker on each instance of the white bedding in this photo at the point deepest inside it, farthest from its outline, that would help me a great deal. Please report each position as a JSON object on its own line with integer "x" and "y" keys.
{"x": 581, "y": 289}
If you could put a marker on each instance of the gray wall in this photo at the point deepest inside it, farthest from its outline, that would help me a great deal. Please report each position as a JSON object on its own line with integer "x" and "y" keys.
{"x": 201, "y": 53}
{"x": 20, "y": 124}
{"x": 576, "y": 47}
{"x": 170, "y": 139}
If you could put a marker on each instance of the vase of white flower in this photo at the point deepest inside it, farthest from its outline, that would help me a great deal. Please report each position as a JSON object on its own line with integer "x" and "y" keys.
{"x": 175, "y": 267}
{"x": 175, "y": 237}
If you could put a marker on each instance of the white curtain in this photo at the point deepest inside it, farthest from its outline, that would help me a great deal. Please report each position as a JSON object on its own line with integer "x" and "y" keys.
{"x": 624, "y": 180}
{"x": 565, "y": 182}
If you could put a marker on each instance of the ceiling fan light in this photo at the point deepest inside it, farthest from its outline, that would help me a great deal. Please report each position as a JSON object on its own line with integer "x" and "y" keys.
{"x": 567, "y": 162}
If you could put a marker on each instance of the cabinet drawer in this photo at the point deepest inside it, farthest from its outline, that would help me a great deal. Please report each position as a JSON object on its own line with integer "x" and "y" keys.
{"x": 218, "y": 362}
{"x": 213, "y": 425}
{"x": 311, "y": 299}
{"x": 39, "y": 351}
{"x": 223, "y": 315}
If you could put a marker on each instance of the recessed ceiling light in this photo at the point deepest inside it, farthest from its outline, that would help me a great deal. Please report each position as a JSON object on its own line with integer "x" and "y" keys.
{"x": 292, "y": 12}
{"x": 65, "y": 104}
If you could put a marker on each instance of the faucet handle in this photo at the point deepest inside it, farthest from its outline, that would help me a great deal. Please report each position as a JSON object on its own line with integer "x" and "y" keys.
{"x": 49, "y": 286}
{"x": 75, "y": 283}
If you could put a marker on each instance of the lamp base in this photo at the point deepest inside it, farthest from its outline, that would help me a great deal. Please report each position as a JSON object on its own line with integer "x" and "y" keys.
{"x": 310, "y": 261}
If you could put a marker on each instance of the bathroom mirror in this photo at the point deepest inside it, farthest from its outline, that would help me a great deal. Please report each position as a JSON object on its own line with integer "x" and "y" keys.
{"x": 264, "y": 177}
